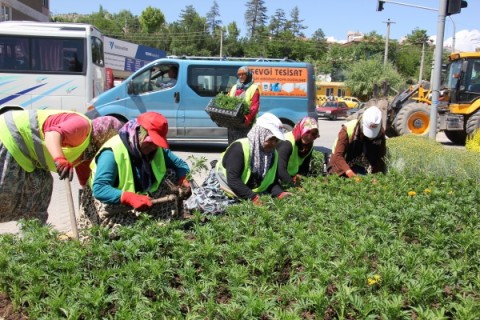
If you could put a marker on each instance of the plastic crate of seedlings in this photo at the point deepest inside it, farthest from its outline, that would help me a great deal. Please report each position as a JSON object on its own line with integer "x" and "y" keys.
{"x": 227, "y": 111}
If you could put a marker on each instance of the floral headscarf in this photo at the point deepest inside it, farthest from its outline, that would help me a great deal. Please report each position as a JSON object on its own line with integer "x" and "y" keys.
{"x": 248, "y": 80}
{"x": 103, "y": 128}
{"x": 303, "y": 127}
{"x": 260, "y": 160}
{"x": 132, "y": 135}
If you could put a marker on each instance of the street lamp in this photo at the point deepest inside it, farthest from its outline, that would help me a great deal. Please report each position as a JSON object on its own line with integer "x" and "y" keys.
{"x": 454, "y": 33}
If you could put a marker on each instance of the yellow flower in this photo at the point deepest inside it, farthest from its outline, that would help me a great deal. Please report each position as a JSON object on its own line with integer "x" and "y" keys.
{"x": 376, "y": 279}
{"x": 427, "y": 191}
{"x": 412, "y": 193}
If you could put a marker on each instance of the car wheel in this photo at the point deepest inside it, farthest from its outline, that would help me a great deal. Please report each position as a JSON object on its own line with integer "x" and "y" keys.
{"x": 333, "y": 117}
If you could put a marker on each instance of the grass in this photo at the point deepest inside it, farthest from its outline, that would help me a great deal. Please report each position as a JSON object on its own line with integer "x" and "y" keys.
{"x": 400, "y": 246}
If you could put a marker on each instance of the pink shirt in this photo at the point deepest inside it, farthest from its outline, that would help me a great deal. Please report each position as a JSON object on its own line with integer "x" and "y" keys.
{"x": 72, "y": 127}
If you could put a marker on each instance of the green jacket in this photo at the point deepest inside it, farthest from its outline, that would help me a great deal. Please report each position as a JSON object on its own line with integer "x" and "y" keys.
{"x": 124, "y": 165}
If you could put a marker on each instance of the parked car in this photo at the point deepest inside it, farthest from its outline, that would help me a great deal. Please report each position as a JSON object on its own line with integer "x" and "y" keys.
{"x": 351, "y": 102}
{"x": 332, "y": 109}
{"x": 355, "y": 110}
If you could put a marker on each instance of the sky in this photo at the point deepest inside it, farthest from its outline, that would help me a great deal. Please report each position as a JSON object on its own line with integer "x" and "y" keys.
{"x": 336, "y": 18}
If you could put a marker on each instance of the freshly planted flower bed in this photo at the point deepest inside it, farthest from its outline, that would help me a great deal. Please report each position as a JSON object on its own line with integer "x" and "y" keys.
{"x": 395, "y": 246}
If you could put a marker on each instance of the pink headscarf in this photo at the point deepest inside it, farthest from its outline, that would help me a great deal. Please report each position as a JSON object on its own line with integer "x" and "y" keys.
{"x": 304, "y": 126}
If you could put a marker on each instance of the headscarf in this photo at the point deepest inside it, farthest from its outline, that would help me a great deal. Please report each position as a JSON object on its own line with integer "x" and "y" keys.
{"x": 248, "y": 80}
{"x": 260, "y": 160}
{"x": 103, "y": 128}
{"x": 301, "y": 128}
{"x": 131, "y": 135}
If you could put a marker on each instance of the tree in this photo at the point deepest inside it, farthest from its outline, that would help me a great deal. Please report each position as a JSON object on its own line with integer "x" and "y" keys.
{"x": 212, "y": 22}
{"x": 255, "y": 15}
{"x": 278, "y": 23}
{"x": 417, "y": 37}
{"x": 295, "y": 24}
{"x": 151, "y": 20}
{"x": 188, "y": 35}
{"x": 362, "y": 75}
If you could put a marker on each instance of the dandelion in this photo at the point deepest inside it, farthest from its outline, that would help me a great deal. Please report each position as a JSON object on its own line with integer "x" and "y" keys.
{"x": 412, "y": 193}
{"x": 427, "y": 191}
{"x": 376, "y": 279}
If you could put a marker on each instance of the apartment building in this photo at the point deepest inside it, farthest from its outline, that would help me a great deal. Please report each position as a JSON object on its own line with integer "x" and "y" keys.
{"x": 29, "y": 10}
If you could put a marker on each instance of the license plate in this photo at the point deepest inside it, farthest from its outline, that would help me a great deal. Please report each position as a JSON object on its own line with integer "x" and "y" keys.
{"x": 454, "y": 122}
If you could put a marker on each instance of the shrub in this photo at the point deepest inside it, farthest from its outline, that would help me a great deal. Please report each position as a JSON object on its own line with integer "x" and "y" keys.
{"x": 413, "y": 155}
{"x": 473, "y": 143}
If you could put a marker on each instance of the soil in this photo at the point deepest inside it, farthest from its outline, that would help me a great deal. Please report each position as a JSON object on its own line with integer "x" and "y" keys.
{"x": 7, "y": 310}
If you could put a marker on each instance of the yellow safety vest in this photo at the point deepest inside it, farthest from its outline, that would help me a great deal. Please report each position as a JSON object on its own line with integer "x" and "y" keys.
{"x": 248, "y": 93}
{"x": 350, "y": 125}
{"x": 22, "y": 134}
{"x": 247, "y": 171}
{"x": 126, "y": 181}
{"x": 295, "y": 161}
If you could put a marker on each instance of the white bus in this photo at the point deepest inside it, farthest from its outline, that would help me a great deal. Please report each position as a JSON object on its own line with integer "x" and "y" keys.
{"x": 50, "y": 65}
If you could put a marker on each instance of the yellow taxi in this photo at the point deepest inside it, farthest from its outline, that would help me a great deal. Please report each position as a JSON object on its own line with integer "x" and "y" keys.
{"x": 351, "y": 102}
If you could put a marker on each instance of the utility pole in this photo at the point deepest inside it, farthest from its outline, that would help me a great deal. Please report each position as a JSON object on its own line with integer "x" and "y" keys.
{"x": 437, "y": 69}
{"x": 221, "y": 41}
{"x": 454, "y": 32}
{"x": 420, "y": 76}
{"x": 385, "y": 58}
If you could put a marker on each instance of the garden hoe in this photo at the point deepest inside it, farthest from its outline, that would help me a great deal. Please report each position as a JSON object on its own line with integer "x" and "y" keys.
{"x": 71, "y": 209}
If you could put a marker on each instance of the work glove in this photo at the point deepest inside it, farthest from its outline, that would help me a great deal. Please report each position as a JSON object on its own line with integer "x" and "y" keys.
{"x": 256, "y": 200}
{"x": 297, "y": 179}
{"x": 137, "y": 201}
{"x": 284, "y": 194}
{"x": 248, "y": 119}
{"x": 186, "y": 189}
{"x": 64, "y": 168}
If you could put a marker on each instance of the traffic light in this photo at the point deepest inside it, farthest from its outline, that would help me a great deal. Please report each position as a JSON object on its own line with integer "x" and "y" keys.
{"x": 380, "y": 5}
{"x": 455, "y": 6}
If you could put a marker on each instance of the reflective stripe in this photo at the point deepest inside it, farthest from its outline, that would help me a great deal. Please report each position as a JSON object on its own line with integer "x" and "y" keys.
{"x": 37, "y": 142}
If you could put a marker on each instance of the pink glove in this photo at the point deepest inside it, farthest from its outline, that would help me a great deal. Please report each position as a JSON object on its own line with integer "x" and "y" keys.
{"x": 256, "y": 200}
{"x": 284, "y": 195}
{"x": 64, "y": 168}
{"x": 136, "y": 201}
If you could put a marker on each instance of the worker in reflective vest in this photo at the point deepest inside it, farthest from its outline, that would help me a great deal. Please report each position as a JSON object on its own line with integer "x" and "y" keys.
{"x": 360, "y": 147}
{"x": 37, "y": 142}
{"x": 295, "y": 152}
{"x": 245, "y": 88}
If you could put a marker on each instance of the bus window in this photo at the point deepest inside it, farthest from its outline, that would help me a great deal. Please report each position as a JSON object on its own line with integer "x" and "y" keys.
{"x": 97, "y": 51}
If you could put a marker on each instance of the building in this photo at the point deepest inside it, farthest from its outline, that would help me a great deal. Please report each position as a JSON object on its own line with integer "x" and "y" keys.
{"x": 29, "y": 10}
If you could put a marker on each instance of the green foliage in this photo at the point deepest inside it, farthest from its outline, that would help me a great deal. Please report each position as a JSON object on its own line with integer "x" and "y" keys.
{"x": 364, "y": 74}
{"x": 224, "y": 101}
{"x": 277, "y": 37}
{"x": 413, "y": 155}
{"x": 151, "y": 19}
{"x": 399, "y": 246}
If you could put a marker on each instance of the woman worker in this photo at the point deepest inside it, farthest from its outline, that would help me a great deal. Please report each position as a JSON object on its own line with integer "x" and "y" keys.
{"x": 34, "y": 143}
{"x": 245, "y": 170}
{"x": 129, "y": 170}
{"x": 246, "y": 89}
{"x": 295, "y": 152}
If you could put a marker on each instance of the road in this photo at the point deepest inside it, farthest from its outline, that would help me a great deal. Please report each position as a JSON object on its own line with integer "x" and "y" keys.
{"x": 58, "y": 209}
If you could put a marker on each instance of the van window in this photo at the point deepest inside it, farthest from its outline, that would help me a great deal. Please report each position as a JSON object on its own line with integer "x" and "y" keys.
{"x": 209, "y": 81}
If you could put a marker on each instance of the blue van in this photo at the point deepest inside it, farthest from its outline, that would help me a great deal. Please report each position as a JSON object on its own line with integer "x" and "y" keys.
{"x": 287, "y": 90}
